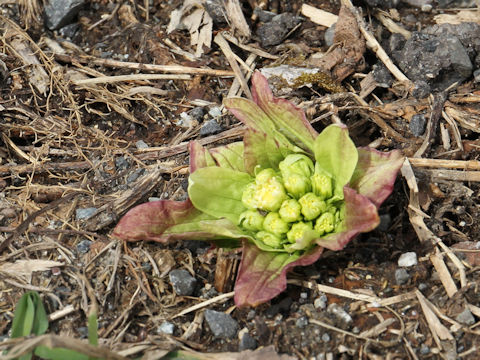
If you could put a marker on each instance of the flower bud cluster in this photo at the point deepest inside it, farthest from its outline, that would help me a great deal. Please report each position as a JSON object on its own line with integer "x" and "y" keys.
{"x": 285, "y": 207}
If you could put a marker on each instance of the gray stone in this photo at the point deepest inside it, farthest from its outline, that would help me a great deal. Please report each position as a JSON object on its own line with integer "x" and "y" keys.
{"x": 408, "y": 259}
{"x": 301, "y": 322}
{"x": 424, "y": 350}
{"x": 247, "y": 342}
{"x": 83, "y": 214}
{"x": 84, "y": 246}
{"x": 385, "y": 222}
{"x": 418, "y": 3}
{"x": 215, "y": 112}
{"x": 210, "y": 127}
{"x": 121, "y": 163}
{"x": 59, "y": 13}
{"x": 183, "y": 283}
{"x": 216, "y": 11}
{"x": 197, "y": 113}
{"x": 166, "y": 328}
{"x": 382, "y": 75}
{"x": 320, "y": 302}
{"x": 140, "y": 144}
{"x": 274, "y": 31}
{"x": 476, "y": 76}
{"x": 401, "y": 276}
{"x": 417, "y": 124}
{"x": 222, "y": 325}
{"x": 421, "y": 89}
{"x": 325, "y": 337}
{"x": 343, "y": 319}
{"x": 422, "y": 286}
{"x": 135, "y": 175}
{"x": 329, "y": 34}
{"x": 465, "y": 317}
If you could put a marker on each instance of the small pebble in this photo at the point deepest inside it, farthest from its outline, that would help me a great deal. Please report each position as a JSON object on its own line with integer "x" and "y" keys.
{"x": 247, "y": 342}
{"x": 422, "y": 286}
{"x": 385, "y": 222}
{"x": 166, "y": 328}
{"x": 140, "y": 144}
{"x": 329, "y": 33}
{"x": 343, "y": 318}
{"x": 320, "y": 302}
{"x": 121, "y": 163}
{"x": 183, "y": 283}
{"x": 82, "y": 214}
{"x": 407, "y": 259}
{"x": 215, "y": 112}
{"x": 424, "y": 349}
{"x": 222, "y": 325}
{"x": 417, "y": 124}
{"x": 401, "y": 276}
{"x": 465, "y": 317}
{"x": 326, "y": 337}
{"x": 301, "y": 322}
{"x": 211, "y": 127}
{"x": 476, "y": 76}
{"x": 135, "y": 175}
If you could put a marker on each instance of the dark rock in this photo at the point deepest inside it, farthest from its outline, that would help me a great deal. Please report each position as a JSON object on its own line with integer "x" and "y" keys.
{"x": 382, "y": 75}
{"x": 476, "y": 76}
{"x": 135, "y": 175}
{"x": 59, "y": 13}
{"x": 84, "y": 246}
{"x": 282, "y": 306}
{"x": 264, "y": 16}
{"x": 216, "y": 11}
{"x": 210, "y": 127}
{"x": 401, "y": 276}
{"x": 69, "y": 31}
{"x": 420, "y": 89}
{"x": 183, "y": 283}
{"x": 82, "y": 331}
{"x": 121, "y": 163}
{"x": 274, "y": 31}
{"x": 197, "y": 113}
{"x": 396, "y": 42}
{"x": 222, "y": 325}
{"x": 384, "y": 4}
{"x": 417, "y": 124}
{"x": 83, "y": 214}
{"x": 247, "y": 342}
{"x": 385, "y": 222}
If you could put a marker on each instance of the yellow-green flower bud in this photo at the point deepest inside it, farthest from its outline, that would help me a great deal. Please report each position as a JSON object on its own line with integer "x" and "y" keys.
{"x": 290, "y": 211}
{"x": 270, "y": 195}
{"x": 296, "y": 164}
{"x": 312, "y": 206}
{"x": 265, "y": 175}
{"x": 298, "y": 230}
{"x": 269, "y": 239}
{"x": 325, "y": 223}
{"x": 251, "y": 220}
{"x": 248, "y": 196}
{"x": 274, "y": 224}
{"x": 322, "y": 185}
{"x": 297, "y": 185}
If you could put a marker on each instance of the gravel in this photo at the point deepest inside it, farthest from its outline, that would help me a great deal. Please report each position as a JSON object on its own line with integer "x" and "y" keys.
{"x": 183, "y": 283}
{"x": 408, "y": 259}
{"x": 417, "y": 124}
{"x": 59, "y": 13}
{"x": 465, "y": 317}
{"x": 401, "y": 276}
{"x": 343, "y": 319}
{"x": 85, "y": 213}
{"x": 247, "y": 342}
{"x": 222, "y": 325}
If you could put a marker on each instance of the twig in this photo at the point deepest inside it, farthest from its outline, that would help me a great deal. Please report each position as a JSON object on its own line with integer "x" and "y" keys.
{"x": 205, "y": 303}
{"x": 446, "y": 164}
{"x": 177, "y": 69}
{"x": 134, "y": 77}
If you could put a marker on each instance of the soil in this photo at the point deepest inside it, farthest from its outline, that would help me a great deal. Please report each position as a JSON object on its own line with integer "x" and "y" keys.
{"x": 102, "y": 147}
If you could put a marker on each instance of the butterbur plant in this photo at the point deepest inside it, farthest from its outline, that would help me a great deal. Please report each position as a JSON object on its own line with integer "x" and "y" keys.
{"x": 283, "y": 194}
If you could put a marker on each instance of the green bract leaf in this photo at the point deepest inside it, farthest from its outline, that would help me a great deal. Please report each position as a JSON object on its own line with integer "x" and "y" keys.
{"x": 218, "y": 192}
{"x": 47, "y": 353}
{"x": 229, "y": 156}
{"x": 262, "y": 274}
{"x": 262, "y": 150}
{"x": 375, "y": 173}
{"x": 360, "y": 216}
{"x": 286, "y": 117}
{"x": 337, "y": 156}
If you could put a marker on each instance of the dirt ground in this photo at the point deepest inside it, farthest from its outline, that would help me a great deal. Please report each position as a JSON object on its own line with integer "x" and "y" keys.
{"x": 79, "y": 147}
